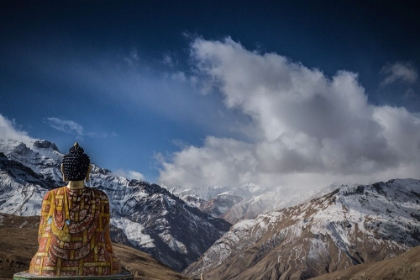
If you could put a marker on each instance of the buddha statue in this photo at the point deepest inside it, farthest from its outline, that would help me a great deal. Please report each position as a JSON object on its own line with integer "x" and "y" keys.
{"x": 74, "y": 230}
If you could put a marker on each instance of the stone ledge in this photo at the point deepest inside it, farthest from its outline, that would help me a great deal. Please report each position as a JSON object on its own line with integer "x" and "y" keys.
{"x": 24, "y": 275}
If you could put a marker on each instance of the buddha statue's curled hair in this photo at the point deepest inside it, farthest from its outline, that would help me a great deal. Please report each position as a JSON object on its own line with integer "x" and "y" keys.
{"x": 76, "y": 164}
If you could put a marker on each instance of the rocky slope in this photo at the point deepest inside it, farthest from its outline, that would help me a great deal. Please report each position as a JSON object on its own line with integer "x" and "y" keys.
{"x": 144, "y": 216}
{"x": 352, "y": 225}
{"x": 405, "y": 266}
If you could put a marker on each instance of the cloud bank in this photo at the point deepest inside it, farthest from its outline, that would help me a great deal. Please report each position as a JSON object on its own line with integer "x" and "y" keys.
{"x": 9, "y": 131}
{"x": 311, "y": 130}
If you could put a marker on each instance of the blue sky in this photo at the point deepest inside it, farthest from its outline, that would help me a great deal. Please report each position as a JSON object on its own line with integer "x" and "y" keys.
{"x": 199, "y": 93}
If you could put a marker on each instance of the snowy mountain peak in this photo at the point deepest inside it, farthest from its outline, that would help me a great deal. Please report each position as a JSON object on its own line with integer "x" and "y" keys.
{"x": 44, "y": 144}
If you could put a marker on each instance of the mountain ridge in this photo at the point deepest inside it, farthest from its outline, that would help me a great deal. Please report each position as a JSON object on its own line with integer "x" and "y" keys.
{"x": 351, "y": 225}
{"x": 150, "y": 218}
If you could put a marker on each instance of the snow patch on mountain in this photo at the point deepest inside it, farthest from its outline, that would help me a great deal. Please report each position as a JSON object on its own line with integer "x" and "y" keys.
{"x": 134, "y": 232}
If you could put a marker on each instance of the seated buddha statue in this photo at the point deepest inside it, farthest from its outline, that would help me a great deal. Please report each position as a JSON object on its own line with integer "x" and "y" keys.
{"x": 73, "y": 233}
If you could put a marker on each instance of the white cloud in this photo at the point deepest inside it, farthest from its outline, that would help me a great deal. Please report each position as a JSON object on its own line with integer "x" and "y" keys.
{"x": 404, "y": 72}
{"x": 313, "y": 130}
{"x": 139, "y": 82}
{"x": 71, "y": 127}
{"x": 66, "y": 126}
{"x": 101, "y": 134}
{"x": 130, "y": 174}
{"x": 8, "y": 130}
{"x": 135, "y": 175}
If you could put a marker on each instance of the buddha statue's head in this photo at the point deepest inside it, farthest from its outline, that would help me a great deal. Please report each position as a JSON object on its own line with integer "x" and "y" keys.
{"x": 76, "y": 164}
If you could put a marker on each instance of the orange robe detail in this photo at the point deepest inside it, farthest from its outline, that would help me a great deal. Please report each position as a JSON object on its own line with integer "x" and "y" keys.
{"x": 73, "y": 235}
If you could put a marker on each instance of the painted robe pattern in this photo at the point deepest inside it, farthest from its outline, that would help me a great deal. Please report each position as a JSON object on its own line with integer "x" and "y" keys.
{"x": 73, "y": 235}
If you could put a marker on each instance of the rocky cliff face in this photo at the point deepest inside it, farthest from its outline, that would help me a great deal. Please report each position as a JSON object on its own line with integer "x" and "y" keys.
{"x": 144, "y": 216}
{"x": 352, "y": 225}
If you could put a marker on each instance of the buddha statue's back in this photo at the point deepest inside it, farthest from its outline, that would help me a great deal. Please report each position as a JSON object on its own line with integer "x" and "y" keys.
{"x": 73, "y": 233}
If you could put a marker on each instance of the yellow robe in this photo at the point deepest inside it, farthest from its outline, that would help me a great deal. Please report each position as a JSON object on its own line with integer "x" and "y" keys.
{"x": 73, "y": 235}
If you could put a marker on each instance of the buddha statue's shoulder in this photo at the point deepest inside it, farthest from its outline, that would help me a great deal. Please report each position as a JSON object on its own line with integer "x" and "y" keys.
{"x": 54, "y": 192}
{"x": 98, "y": 192}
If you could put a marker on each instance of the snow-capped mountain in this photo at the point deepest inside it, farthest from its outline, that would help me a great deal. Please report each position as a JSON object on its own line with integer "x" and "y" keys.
{"x": 216, "y": 206}
{"x": 144, "y": 216}
{"x": 351, "y": 225}
{"x": 245, "y": 202}
{"x": 222, "y": 203}
{"x": 269, "y": 201}
{"x": 209, "y": 192}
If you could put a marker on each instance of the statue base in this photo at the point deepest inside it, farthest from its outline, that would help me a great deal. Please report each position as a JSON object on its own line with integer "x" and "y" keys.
{"x": 24, "y": 275}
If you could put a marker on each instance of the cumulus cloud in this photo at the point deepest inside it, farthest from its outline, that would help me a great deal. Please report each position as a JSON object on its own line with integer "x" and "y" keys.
{"x": 313, "y": 130}
{"x": 404, "y": 72}
{"x": 67, "y": 126}
{"x": 8, "y": 130}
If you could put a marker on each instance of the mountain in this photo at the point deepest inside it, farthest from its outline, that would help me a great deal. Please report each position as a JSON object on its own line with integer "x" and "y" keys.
{"x": 245, "y": 202}
{"x": 269, "y": 201}
{"x": 221, "y": 204}
{"x": 351, "y": 225}
{"x": 217, "y": 206}
{"x": 19, "y": 244}
{"x": 144, "y": 216}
